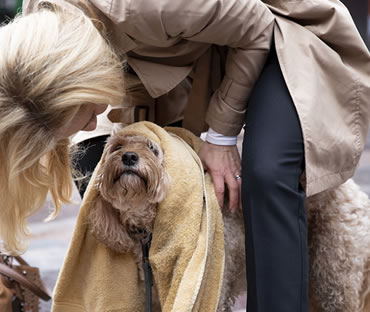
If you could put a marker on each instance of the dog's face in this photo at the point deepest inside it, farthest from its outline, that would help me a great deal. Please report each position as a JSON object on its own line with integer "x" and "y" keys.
{"x": 133, "y": 172}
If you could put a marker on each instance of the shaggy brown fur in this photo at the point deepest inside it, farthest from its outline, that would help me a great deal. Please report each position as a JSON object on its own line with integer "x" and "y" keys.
{"x": 132, "y": 182}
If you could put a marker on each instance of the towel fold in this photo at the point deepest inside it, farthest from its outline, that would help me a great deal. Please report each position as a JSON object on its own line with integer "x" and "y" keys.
{"x": 187, "y": 251}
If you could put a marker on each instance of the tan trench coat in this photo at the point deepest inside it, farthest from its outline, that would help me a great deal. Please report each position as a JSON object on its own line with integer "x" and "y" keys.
{"x": 324, "y": 62}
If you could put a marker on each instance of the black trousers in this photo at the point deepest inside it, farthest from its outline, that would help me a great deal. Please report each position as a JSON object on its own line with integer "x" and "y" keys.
{"x": 273, "y": 199}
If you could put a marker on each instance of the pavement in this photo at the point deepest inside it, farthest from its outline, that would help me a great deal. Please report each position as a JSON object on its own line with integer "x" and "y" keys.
{"x": 49, "y": 241}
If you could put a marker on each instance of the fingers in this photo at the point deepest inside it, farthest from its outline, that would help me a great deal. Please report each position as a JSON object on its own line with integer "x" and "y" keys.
{"x": 223, "y": 163}
{"x": 240, "y": 194}
{"x": 234, "y": 186}
{"x": 219, "y": 184}
{"x": 233, "y": 181}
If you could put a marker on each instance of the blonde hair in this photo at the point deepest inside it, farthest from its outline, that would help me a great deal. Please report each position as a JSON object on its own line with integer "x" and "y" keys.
{"x": 52, "y": 62}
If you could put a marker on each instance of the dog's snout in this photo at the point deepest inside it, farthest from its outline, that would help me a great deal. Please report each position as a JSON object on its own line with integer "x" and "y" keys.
{"x": 130, "y": 158}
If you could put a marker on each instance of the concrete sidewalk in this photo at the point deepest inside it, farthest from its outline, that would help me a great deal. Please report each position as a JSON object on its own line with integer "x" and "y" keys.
{"x": 49, "y": 241}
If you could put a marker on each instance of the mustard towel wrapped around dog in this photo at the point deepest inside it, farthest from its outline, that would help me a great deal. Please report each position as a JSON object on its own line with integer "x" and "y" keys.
{"x": 187, "y": 250}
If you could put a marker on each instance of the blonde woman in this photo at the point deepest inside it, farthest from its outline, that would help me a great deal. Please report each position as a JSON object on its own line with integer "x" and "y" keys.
{"x": 300, "y": 65}
{"x": 47, "y": 93}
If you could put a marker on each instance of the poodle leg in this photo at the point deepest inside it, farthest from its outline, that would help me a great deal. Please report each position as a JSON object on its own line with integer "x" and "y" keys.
{"x": 335, "y": 274}
{"x": 234, "y": 280}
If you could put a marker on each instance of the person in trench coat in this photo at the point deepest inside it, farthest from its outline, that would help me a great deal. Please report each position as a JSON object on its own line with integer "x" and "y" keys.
{"x": 295, "y": 73}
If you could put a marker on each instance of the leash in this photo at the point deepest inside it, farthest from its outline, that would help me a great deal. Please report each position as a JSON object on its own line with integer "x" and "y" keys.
{"x": 148, "y": 275}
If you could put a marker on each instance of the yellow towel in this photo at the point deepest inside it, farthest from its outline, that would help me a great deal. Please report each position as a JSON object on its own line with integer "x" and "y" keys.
{"x": 187, "y": 251}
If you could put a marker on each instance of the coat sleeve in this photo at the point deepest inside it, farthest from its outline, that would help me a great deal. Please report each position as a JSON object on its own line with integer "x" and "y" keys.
{"x": 245, "y": 26}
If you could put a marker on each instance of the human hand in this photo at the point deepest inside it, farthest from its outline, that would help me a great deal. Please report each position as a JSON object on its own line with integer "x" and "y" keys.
{"x": 224, "y": 164}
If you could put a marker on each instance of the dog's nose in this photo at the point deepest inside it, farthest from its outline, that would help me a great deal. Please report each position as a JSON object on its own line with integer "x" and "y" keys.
{"x": 130, "y": 158}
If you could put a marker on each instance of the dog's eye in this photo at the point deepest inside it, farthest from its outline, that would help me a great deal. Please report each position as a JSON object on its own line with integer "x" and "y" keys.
{"x": 117, "y": 147}
{"x": 153, "y": 149}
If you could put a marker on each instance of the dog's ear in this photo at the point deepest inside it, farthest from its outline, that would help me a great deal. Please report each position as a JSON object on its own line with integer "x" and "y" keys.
{"x": 163, "y": 186}
{"x": 104, "y": 223}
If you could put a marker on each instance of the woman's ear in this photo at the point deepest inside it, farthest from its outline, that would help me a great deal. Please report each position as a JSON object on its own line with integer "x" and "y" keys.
{"x": 104, "y": 223}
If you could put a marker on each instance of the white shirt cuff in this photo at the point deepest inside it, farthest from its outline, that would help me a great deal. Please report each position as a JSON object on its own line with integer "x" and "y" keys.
{"x": 220, "y": 139}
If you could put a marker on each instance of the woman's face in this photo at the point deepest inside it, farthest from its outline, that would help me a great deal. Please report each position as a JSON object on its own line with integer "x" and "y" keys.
{"x": 84, "y": 120}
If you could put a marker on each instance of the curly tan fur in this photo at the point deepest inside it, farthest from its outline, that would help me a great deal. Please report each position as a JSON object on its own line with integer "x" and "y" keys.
{"x": 234, "y": 282}
{"x": 339, "y": 241}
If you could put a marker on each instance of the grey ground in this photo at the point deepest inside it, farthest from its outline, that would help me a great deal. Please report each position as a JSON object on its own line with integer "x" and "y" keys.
{"x": 49, "y": 241}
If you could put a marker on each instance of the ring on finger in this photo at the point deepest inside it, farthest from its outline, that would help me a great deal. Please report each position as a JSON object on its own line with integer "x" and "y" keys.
{"x": 238, "y": 176}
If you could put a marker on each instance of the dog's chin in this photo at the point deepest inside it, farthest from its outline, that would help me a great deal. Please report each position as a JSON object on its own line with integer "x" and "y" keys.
{"x": 129, "y": 189}
{"x": 131, "y": 179}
